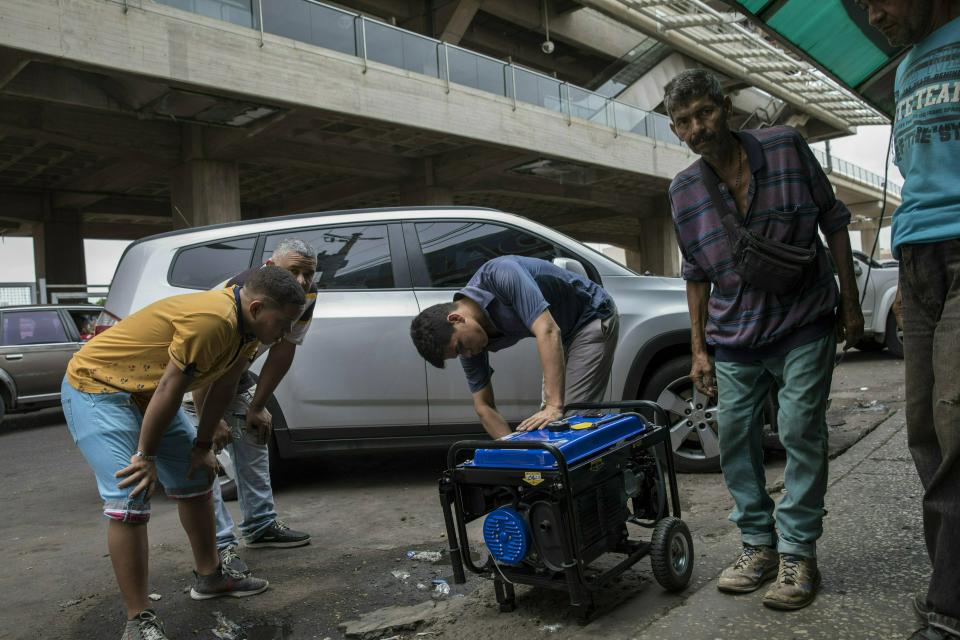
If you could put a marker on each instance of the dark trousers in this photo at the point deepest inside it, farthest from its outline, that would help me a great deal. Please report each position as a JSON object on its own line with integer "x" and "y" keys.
{"x": 930, "y": 286}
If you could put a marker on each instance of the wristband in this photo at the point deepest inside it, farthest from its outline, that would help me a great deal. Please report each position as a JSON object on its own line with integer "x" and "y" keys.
{"x": 206, "y": 445}
{"x": 141, "y": 454}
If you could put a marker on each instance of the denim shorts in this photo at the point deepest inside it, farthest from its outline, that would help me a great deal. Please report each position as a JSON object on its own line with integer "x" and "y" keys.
{"x": 106, "y": 427}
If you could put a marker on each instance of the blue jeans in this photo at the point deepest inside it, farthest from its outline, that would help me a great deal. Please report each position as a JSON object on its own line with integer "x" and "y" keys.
{"x": 251, "y": 464}
{"x": 803, "y": 377}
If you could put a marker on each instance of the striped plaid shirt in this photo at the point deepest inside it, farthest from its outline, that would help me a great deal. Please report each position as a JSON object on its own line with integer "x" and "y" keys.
{"x": 789, "y": 198}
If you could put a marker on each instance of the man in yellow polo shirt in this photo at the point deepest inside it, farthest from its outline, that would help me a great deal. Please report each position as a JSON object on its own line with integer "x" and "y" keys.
{"x": 121, "y": 398}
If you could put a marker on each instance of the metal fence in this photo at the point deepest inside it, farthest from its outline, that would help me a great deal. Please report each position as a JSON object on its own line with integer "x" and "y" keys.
{"x": 71, "y": 293}
{"x": 39, "y": 292}
{"x": 13, "y": 293}
{"x": 854, "y": 172}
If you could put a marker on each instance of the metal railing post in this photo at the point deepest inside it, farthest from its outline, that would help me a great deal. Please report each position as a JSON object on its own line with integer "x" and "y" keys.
{"x": 569, "y": 108}
{"x": 260, "y": 14}
{"x": 513, "y": 78}
{"x": 446, "y": 64}
{"x": 43, "y": 290}
{"x": 616, "y": 131}
{"x": 363, "y": 41}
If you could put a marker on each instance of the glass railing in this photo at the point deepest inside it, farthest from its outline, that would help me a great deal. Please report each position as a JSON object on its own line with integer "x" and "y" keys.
{"x": 854, "y": 172}
{"x": 347, "y": 32}
{"x": 235, "y": 11}
{"x": 334, "y": 28}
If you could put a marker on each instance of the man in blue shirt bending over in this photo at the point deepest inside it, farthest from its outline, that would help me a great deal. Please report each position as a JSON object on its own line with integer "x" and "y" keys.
{"x": 926, "y": 240}
{"x": 510, "y": 298}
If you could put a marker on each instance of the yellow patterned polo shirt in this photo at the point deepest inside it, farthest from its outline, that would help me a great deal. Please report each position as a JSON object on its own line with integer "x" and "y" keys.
{"x": 198, "y": 332}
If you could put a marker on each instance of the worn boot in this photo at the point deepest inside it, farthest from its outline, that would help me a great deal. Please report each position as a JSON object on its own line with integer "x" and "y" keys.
{"x": 796, "y": 585}
{"x": 754, "y": 566}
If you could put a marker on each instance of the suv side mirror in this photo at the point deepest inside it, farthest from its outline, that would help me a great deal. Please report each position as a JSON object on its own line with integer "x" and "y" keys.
{"x": 857, "y": 269}
{"x": 571, "y": 265}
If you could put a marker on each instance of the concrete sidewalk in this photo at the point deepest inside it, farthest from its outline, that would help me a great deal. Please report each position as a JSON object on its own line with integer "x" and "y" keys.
{"x": 871, "y": 555}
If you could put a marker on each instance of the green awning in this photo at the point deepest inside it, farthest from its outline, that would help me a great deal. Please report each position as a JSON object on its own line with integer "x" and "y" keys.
{"x": 834, "y": 35}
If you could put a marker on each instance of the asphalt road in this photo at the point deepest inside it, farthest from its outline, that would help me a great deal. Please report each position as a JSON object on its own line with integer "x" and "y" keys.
{"x": 364, "y": 512}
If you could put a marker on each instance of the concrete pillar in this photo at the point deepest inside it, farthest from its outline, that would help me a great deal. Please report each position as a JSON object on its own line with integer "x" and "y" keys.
{"x": 868, "y": 235}
{"x": 656, "y": 250}
{"x": 39, "y": 254}
{"x": 204, "y": 192}
{"x": 414, "y": 195}
{"x": 421, "y": 188}
{"x": 58, "y": 248}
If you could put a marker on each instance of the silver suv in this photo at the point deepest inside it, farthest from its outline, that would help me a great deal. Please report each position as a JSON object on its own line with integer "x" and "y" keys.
{"x": 358, "y": 382}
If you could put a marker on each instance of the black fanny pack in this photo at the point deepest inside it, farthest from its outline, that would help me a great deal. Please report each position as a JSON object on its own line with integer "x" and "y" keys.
{"x": 767, "y": 264}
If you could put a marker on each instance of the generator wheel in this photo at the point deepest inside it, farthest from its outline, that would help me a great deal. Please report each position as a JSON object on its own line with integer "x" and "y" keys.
{"x": 584, "y": 613}
{"x": 671, "y": 554}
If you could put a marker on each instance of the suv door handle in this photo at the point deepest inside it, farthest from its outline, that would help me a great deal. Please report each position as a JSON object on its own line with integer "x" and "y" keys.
{"x": 14, "y": 356}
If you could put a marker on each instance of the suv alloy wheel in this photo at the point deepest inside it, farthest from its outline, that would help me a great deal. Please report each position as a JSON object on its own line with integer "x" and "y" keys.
{"x": 693, "y": 429}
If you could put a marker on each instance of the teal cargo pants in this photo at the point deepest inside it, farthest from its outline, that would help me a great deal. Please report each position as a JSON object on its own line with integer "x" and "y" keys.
{"x": 803, "y": 377}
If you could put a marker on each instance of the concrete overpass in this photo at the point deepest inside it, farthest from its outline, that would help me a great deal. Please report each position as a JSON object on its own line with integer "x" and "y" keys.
{"x": 120, "y": 119}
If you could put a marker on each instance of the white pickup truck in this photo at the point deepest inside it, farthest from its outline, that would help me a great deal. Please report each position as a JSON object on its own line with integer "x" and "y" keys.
{"x": 877, "y": 294}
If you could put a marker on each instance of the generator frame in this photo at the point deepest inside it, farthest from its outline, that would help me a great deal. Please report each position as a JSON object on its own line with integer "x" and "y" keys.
{"x": 573, "y": 578}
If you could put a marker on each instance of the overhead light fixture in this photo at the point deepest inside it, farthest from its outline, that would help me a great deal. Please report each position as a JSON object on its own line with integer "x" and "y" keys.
{"x": 250, "y": 115}
{"x": 558, "y": 171}
{"x": 193, "y": 106}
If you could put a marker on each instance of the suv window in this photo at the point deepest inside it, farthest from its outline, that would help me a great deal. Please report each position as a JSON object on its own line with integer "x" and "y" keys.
{"x": 356, "y": 257}
{"x": 455, "y": 250}
{"x": 33, "y": 327}
{"x": 208, "y": 265}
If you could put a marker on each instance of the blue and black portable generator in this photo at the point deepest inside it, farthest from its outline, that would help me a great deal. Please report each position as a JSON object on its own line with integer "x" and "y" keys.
{"x": 556, "y": 500}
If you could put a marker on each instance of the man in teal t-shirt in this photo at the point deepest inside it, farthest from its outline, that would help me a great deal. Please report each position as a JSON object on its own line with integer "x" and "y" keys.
{"x": 926, "y": 239}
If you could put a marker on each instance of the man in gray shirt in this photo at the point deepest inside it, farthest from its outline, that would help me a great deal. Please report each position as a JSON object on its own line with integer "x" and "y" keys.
{"x": 510, "y": 298}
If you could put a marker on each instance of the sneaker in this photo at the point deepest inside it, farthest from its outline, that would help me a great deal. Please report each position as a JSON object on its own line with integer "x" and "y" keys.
{"x": 146, "y": 626}
{"x": 754, "y": 566}
{"x": 278, "y": 534}
{"x": 796, "y": 585}
{"x": 230, "y": 560}
{"x": 225, "y": 582}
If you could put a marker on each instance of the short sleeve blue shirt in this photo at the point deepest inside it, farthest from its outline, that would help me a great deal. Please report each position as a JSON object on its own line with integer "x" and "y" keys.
{"x": 927, "y": 134}
{"x": 514, "y": 291}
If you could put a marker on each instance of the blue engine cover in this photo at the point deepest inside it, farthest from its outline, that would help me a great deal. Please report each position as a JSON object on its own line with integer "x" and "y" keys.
{"x": 582, "y": 437}
{"x": 506, "y": 535}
